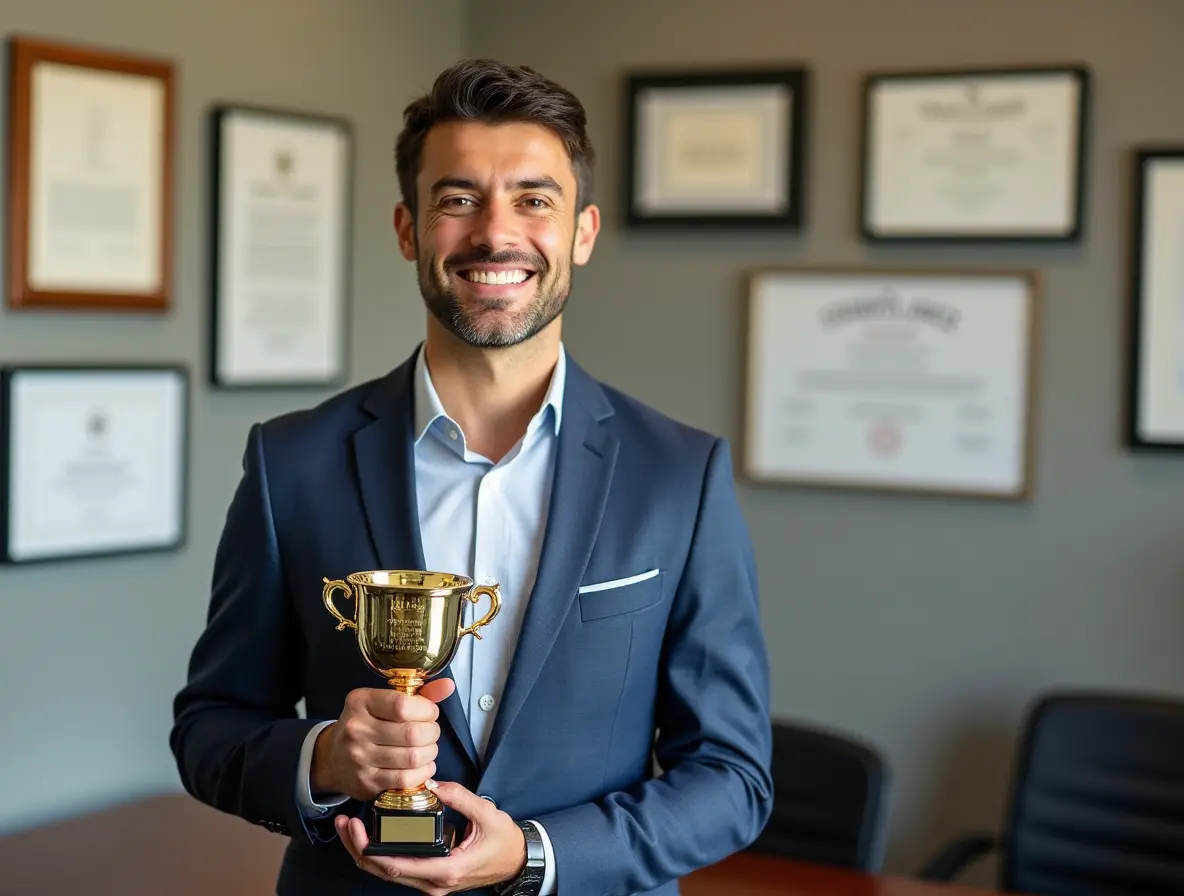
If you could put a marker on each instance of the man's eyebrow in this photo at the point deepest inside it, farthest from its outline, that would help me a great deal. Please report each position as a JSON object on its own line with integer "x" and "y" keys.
{"x": 529, "y": 183}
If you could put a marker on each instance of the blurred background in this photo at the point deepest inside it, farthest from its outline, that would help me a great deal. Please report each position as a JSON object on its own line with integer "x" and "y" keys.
{"x": 922, "y": 625}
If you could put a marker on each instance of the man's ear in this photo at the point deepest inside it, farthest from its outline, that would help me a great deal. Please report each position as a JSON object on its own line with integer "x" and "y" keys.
{"x": 405, "y": 228}
{"x": 587, "y": 227}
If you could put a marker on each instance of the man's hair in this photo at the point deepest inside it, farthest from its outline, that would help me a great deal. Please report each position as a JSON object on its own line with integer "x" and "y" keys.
{"x": 491, "y": 92}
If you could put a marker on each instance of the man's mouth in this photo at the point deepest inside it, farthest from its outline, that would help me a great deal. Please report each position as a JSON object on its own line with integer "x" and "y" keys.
{"x": 496, "y": 278}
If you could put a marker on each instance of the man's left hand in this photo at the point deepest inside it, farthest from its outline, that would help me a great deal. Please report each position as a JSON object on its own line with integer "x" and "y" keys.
{"x": 493, "y": 850}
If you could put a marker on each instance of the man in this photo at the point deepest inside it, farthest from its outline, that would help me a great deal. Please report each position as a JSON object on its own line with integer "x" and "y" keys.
{"x": 629, "y": 628}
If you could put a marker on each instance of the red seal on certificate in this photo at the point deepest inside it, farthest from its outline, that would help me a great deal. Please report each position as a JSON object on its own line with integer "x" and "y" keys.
{"x": 884, "y": 438}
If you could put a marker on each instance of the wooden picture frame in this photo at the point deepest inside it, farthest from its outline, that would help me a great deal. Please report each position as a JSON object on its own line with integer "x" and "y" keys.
{"x": 281, "y": 247}
{"x": 893, "y": 380}
{"x": 1155, "y": 406}
{"x": 94, "y": 460}
{"x": 90, "y": 178}
{"x": 994, "y": 154}
{"x": 716, "y": 148}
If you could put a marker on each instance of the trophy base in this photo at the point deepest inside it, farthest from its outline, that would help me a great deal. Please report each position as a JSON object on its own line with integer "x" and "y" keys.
{"x": 407, "y": 832}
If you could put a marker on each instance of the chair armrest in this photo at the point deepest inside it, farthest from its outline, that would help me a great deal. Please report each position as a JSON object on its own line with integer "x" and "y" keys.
{"x": 953, "y": 858}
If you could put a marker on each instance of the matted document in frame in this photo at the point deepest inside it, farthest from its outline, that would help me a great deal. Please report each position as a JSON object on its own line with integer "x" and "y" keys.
{"x": 94, "y": 460}
{"x": 975, "y": 155}
{"x": 90, "y": 178}
{"x": 894, "y": 380}
{"x": 716, "y": 147}
{"x": 281, "y": 246}
{"x": 1155, "y": 416}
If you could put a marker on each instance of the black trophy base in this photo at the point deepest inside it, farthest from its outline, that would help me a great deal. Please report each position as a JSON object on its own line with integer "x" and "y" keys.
{"x": 405, "y": 832}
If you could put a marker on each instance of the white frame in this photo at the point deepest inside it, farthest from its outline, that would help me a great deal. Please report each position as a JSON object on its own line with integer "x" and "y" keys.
{"x": 819, "y": 411}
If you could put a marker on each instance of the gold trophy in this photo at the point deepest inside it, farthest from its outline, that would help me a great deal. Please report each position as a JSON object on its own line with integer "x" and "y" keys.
{"x": 408, "y": 625}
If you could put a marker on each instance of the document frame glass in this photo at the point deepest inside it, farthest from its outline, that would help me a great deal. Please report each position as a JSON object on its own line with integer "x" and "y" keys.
{"x": 910, "y": 381}
{"x": 94, "y": 460}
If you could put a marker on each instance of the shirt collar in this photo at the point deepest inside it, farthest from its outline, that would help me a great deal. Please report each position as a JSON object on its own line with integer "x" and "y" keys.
{"x": 429, "y": 408}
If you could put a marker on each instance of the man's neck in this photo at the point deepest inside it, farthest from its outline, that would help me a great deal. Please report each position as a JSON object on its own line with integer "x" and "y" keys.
{"x": 491, "y": 393}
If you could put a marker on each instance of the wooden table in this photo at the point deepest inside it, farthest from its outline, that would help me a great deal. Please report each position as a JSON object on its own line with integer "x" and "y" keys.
{"x": 173, "y": 844}
{"x": 747, "y": 874}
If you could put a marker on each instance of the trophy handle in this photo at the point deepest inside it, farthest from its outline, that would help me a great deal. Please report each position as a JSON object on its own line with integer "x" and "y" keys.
{"x": 332, "y": 585}
{"x": 495, "y": 601}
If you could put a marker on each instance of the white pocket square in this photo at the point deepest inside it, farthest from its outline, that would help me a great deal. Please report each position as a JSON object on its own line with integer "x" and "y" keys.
{"x": 617, "y": 583}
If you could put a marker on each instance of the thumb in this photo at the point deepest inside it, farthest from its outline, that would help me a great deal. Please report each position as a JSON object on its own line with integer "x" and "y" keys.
{"x": 438, "y": 689}
{"x": 456, "y": 796}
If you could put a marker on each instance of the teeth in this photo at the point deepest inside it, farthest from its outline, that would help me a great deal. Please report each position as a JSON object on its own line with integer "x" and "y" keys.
{"x": 496, "y": 278}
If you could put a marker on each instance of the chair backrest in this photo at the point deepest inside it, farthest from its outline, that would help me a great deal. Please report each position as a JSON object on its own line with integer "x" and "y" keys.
{"x": 829, "y": 800}
{"x": 1098, "y": 803}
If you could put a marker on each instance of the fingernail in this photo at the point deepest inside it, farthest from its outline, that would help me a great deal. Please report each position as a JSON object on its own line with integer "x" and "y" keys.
{"x": 430, "y": 784}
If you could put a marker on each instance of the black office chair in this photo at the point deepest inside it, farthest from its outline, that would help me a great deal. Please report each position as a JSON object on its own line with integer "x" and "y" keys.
{"x": 829, "y": 800}
{"x": 1097, "y": 804}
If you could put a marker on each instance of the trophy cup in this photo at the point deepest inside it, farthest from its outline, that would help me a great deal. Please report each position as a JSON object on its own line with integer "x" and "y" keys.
{"x": 408, "y": 625}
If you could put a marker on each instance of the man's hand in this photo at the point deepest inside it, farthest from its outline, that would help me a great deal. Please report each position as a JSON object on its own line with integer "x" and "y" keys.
{"x": 493, "y": 850}
{"x": 383, "y": 740}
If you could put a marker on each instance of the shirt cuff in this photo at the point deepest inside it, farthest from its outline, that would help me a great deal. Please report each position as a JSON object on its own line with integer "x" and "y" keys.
{"x": 308, "y": 806}
{"x": 548, "y": 887}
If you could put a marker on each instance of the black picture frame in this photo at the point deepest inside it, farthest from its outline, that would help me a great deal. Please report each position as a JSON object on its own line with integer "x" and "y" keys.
{"x": 1153, "y": 302}
{"x": 972, "y": 79}
{"x": 222, "y": 116}
{"x": 788, "y": 164}
{"x": 11, "y": 377}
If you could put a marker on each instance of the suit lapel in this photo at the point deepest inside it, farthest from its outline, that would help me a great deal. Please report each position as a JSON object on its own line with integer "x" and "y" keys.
{"x": 385, "y": 456}
{"x": 584, "y": 463}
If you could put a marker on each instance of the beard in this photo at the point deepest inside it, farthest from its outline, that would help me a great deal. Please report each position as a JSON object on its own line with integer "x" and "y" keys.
{"x": 484, "y": 322}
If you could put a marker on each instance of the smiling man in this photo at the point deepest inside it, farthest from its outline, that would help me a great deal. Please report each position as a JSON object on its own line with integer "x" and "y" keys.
{"x": 629, "y": 630}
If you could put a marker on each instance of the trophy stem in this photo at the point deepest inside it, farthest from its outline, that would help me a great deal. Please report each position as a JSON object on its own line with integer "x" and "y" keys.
{"x": 406, "y": 684}
{"x": 417, "y": 799}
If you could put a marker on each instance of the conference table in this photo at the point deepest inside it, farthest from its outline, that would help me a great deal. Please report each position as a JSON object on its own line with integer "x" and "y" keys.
{"x": 171, "y": 844}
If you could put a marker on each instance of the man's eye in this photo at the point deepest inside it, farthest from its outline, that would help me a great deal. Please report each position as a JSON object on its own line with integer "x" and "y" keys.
{"x": 457, "y": 201}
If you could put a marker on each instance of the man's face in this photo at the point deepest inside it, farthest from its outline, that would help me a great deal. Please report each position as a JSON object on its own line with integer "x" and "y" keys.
{"x": 497, "y": 230}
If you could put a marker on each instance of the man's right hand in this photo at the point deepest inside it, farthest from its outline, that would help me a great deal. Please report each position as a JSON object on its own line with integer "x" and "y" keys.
{"x": 383, "y": 740}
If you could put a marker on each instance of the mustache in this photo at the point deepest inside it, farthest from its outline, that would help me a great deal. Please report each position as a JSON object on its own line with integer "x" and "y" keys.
{"x": 483, "y": 256}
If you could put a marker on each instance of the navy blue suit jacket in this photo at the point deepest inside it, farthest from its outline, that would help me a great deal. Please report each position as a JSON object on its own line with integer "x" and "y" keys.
{"x": 673, "y": 666}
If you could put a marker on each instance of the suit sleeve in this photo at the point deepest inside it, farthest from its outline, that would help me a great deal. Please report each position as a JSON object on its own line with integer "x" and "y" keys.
{"x": 714, "y": 739}
{"x": 236, "y": 735}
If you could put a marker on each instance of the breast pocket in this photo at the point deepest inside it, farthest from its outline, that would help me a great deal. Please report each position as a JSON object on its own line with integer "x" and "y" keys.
{"x": 614, "y": 597}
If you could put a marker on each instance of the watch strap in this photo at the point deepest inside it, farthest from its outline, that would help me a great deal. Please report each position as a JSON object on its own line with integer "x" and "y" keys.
{"x": 530, "y": 881}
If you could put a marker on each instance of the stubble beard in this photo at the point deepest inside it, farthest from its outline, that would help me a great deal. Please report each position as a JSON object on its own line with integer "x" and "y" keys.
{"x": 484, "y": 323}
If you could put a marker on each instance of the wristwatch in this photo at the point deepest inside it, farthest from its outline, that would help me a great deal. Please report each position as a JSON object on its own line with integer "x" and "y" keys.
{"x": 530, "y": 881}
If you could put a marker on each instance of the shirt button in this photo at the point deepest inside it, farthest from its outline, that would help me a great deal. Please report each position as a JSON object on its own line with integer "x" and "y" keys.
{"x": 486, "y": 702}
{"x": 452, "y": 434}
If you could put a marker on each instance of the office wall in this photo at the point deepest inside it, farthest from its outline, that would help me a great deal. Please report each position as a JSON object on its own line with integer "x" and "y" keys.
{"x": 91, "y": 652}
{"x": 922, "y": 624}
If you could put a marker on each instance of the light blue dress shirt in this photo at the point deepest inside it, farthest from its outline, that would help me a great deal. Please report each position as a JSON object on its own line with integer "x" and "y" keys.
{"x": 484, "y": 520}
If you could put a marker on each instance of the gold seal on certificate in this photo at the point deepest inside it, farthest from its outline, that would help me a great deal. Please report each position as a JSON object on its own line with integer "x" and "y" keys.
{"x": 408, "y": 626}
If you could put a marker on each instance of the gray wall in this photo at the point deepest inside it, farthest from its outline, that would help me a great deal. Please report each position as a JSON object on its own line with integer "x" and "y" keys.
{"x": 92, "y": 652}
{"x": 924, "y": 625}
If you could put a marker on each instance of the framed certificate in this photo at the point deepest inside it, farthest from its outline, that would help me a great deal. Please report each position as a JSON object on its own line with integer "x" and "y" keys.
{"x": 1155, "y": 416}
{"x": 281, "y": 221}
{"x": 892, "y": 380}
{"x": 722, "y": 148}
{"x": 93, "y": 460}
{"x": 975, "y": 155}
{"x": 90, "y": 178}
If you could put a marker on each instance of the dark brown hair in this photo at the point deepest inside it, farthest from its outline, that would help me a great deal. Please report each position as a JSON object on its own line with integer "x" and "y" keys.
{"x": 484, "y": 90}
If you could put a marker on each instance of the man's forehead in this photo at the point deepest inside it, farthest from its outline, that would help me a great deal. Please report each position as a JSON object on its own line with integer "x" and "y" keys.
{"x": 517, "y": 150}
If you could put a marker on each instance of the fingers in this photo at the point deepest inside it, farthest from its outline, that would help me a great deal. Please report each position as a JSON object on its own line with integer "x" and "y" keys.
{"x": 438, "y": 689}
{"x": 402, "y": 757}
{"x": 352, "y": 833}
{"x": 392, "y": 706}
